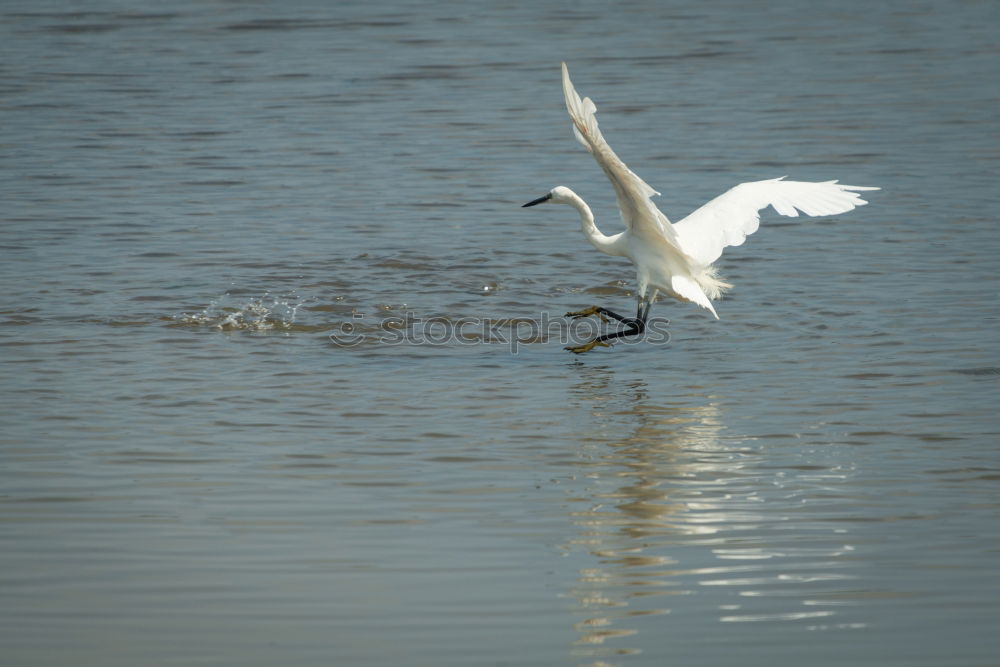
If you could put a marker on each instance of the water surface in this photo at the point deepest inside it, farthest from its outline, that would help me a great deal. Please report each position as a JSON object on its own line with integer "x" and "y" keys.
{"x": 197, "y": 197}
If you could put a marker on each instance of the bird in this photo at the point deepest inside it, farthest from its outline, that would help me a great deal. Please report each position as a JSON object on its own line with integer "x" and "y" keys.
{"x": 677, "y": 259}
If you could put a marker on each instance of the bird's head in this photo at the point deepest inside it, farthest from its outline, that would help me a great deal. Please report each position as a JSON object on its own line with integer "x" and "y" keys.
{"x": 557, "y": 195}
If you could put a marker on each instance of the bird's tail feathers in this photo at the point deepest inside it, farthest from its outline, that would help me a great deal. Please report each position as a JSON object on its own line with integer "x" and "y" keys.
{"x": 688, "y": 289}
{"x": 711, "y": 283}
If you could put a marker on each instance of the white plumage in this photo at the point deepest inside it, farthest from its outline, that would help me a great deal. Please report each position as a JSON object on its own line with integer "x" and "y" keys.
{"x": 731, "y": 217}
{"x": 677, "y": 258}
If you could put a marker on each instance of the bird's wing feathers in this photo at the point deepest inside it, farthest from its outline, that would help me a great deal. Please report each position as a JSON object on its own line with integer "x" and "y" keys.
{"x": 638, "y": 212}
{"x": 729, "y": 218}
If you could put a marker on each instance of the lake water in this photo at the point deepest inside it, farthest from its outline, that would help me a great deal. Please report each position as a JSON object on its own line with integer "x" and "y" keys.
{"x": 283, "y": 378}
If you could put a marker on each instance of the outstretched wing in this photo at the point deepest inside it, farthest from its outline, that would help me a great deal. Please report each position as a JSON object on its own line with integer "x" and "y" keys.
{"x": 638, "y": 212}
{"x": 731, "y": 217}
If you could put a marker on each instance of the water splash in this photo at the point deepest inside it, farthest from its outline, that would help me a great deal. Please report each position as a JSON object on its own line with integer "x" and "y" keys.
{"x": 264, "y": 313}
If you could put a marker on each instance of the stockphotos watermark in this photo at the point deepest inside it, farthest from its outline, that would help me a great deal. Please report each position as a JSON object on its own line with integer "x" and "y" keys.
{"x": 411, "y": 329}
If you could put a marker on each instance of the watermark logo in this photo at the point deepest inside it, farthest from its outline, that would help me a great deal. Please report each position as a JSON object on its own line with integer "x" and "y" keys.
{"x": 411, "y": 329}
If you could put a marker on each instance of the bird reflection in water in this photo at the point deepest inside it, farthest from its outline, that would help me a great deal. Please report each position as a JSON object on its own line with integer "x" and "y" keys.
{"x": 630, "y": 484}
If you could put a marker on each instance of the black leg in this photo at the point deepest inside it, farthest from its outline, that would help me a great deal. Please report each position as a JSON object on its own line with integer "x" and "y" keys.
{"x": 636, "y": 325}
{"x": 643, "y": 313}
{"x": 596, "y": 310}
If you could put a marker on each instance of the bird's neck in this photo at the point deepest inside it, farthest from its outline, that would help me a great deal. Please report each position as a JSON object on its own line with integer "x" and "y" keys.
{"x": 606, "y": 244}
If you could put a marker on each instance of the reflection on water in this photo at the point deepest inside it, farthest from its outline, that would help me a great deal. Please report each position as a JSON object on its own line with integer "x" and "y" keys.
{"x": 632, "y": 509}
{"x": 675, "y": 507}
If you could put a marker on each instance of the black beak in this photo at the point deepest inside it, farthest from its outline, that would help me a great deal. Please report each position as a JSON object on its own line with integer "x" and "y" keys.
{"x": 538, "y": 201}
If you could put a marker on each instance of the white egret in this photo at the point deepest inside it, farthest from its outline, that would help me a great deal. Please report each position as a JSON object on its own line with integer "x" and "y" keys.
{"x": 677, "y": 258}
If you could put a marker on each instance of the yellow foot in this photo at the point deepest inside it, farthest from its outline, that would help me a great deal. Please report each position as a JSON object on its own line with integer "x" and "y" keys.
{"x": 586, "y": 347}
{"x": 587, "y": 312}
